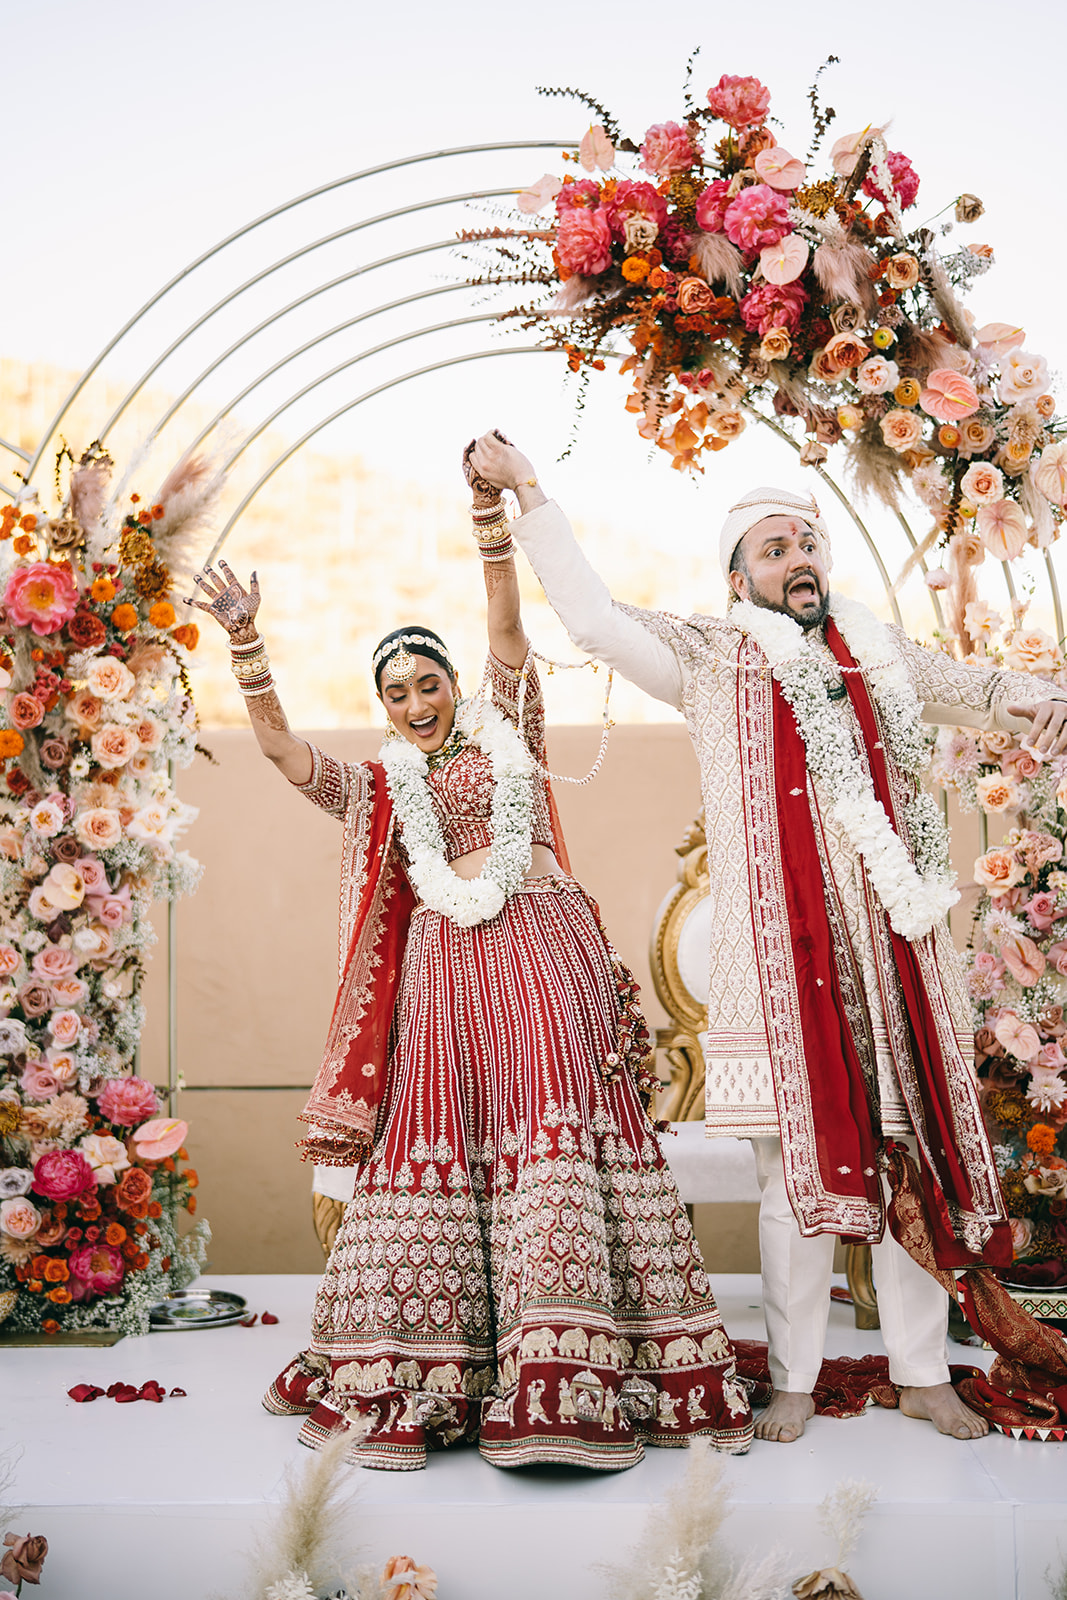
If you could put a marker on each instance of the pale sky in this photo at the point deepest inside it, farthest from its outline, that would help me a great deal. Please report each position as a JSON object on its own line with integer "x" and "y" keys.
{"x": 141, "y": 135}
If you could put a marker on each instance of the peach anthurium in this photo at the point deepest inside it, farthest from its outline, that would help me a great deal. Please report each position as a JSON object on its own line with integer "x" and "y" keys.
{"x": 596, "y": 150}
{"x": 948, "y": 395}
{"x": 539, "y": 194}
{"x": 160, "y": 1138}
{"x": 1000, "y": 337}
{"x": 1003, "y": 529}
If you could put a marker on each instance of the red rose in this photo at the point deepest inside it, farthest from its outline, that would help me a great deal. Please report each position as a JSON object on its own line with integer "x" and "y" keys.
{"x": 134, "y": 1189}
{"x": 86, "y": 630}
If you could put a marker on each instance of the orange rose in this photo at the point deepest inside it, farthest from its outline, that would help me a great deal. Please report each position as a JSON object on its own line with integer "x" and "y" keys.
{"x": 188, "y": 635}
{"x": 901, "y": 429}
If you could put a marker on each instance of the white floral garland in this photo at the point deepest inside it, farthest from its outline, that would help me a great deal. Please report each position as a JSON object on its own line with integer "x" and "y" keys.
{"x": 466, "y": 901}
{"x": 916, "y": 894}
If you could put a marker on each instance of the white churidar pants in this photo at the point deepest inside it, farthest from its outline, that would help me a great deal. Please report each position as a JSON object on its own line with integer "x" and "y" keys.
{"x": 912, "y": 1306}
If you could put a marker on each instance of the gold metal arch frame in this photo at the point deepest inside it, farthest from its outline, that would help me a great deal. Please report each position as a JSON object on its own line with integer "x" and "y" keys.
{"x": 218, "y": 299}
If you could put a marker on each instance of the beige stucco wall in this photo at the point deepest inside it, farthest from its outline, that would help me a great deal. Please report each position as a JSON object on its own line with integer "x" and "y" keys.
{"x": 257, "y": 963}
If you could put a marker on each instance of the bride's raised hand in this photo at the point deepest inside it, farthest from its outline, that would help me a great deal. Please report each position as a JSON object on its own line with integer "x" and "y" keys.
{"x": 233, "y": 606}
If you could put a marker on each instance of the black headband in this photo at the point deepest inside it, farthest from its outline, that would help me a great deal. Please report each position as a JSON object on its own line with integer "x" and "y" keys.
{"x": 415, "y": 641}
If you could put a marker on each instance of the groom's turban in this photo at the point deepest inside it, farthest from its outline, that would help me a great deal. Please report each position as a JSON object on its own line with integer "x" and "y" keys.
{"x": 759, "y": 503}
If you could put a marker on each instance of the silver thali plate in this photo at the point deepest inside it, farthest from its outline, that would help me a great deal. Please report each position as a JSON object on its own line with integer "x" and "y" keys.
{"x": 198, "y": 1308}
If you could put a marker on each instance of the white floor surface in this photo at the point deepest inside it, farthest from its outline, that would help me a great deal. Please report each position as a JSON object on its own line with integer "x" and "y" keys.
{"x": 163, "y": 1502}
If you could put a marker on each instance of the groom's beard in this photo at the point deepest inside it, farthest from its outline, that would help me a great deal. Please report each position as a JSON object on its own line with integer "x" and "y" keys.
{"x": 811, "y": 611}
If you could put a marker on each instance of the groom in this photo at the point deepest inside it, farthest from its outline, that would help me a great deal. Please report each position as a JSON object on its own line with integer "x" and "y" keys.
{"x": 838, "y": 1022}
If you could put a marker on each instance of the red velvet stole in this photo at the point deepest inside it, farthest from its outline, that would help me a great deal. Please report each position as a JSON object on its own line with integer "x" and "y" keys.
{"x": 846, "y": 1147}
{"x": 351, "y": 1082}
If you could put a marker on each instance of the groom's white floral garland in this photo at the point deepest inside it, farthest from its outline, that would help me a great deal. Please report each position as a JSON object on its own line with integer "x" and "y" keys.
{"x": 916, "y": 894}
{"x": 466, "y": 901}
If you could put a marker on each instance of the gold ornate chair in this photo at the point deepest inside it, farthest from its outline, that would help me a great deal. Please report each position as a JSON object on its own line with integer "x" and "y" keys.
{"x": 678, "y": 958}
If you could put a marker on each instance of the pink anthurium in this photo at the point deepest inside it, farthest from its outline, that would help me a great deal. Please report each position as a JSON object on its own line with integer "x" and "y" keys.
{"x": 784, "y": 261}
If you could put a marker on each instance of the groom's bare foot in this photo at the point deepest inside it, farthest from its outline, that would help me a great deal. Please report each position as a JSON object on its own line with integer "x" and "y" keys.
{"x": 784, "y": 1419}
{"x": 940, "y": 1404}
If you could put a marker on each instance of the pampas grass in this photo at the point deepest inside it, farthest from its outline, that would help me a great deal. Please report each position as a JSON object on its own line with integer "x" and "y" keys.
{"x": 923, "y": 548}
{"x": 189, "y": 496}
{"x": 310, "y": 1532}
{"x": 843, "y": 1513}
{"x": 719, "y": 261}
{"x": 679, "y": 1556}
{"x": 874, "y": 468}
{"x": 89, "y": 484}
{"x": 843, "y": 271}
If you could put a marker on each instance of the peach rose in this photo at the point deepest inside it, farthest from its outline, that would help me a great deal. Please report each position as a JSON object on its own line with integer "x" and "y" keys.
{"x": 64, "y": 1026}
{"x": 84, "y": 709}
{"x": 1023, "y": 376}
{"x": 999, "y": 870}
{"x": 19, "y": 1218}
{"x": 1050, "y": 473}
{"x": 877, "y": 375}
{"x": 150, "y": 732}
{"x": 109, "y": 679}
{"x": 726, "y": 424}
{"x": 9, "y": 960}
{"x": 975, "y": 437}
{"x": 25, "y": 711}
{"x": 69, "y": 991}
{"x": 1003, "y": 529}
{"x": 846, "y": 351}
{"x": 982, "y": 483}
{"x": 901, "y": 429}
{"x": 997, "y": 793}
{"x": 98, "y": 828}
{"x": 113, "y": 745}
{"x": 775, "y": 344}
{"x": 1033, "y": 651}
{"x": 902, "y": 271}
{"x": 694, "y": 295}
{"x": 41, "y": 907}
{"x": 62, "y": 1065}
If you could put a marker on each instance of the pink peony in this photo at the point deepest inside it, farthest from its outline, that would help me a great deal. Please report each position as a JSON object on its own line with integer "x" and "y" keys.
{"x": 905, "y": 181}
{"x": 740, "y": 102}
{"x": 669, "y": 148}
{"x": 773, "y": 305}
{"x": 634, "y": 199}
{"x": 756, "y": 217}
{"x": 156, "y": 1140}
{"x": 62, "y": 1174}
{"x": 711, "y": 207}
{"x": 583, "y": 240}
{"x": 127, "y": 1101}
{"x": 41, "y": 596}
{"x": 98, "y": 1266}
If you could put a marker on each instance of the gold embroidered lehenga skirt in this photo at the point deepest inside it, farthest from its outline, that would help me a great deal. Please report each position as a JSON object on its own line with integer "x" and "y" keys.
{"x": 515, "y": 1265}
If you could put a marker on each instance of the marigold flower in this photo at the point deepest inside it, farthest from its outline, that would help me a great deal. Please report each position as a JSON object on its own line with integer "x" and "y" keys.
{"x": 11, "y": 743}
{"x": 163, "y": 614}
{"x": 1041, "y": 1139}
{"x": 124, "y": 618}
{"x": 634, "y": 270}
{"x": 28, "y": 523}
{"x": 23, "y": 545}
{"x": 103, "y": 590}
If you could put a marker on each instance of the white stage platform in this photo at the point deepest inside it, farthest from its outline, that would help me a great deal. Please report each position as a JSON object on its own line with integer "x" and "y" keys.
{"x": 164, "y": 1500}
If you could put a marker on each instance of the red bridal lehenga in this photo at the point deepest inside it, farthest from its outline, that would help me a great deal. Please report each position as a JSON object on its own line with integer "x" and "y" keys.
{"x": 515, "y": 1265}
